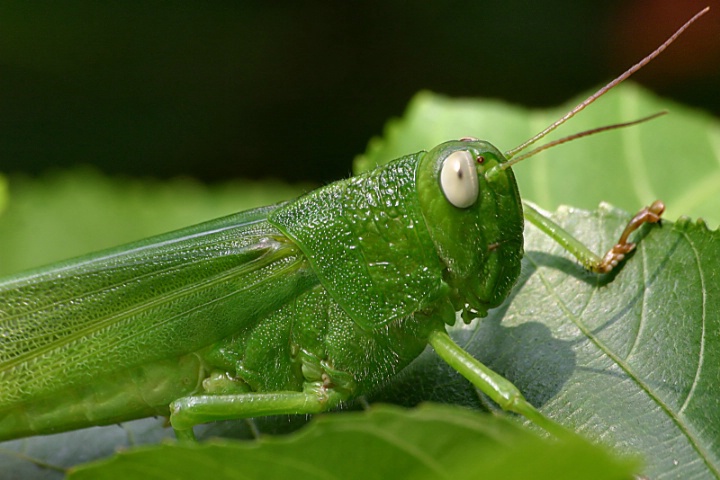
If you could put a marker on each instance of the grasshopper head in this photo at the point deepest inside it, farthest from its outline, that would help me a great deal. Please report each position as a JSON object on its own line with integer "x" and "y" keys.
{"x": 474, "y": 215}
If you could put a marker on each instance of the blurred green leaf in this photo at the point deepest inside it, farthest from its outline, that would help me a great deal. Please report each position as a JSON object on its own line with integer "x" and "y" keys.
{"x": 431, "y": 442}
{"x": 675, "y": 158}
{"x": 3, "y": 193}
{"x": 71, "y": 213}
{"x": 631, "y": 360}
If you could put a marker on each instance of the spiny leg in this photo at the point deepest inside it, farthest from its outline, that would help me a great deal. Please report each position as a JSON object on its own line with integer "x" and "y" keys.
{"x": 590, "y": 260}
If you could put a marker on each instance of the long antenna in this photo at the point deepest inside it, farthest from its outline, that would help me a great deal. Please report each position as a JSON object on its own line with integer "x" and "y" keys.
{"x": 574, "y": 136}
{"x": 510, "y": 153}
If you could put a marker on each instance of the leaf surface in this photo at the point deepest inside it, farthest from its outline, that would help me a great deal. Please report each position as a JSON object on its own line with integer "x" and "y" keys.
{"x": 431, "y": 442}
{"x": 65, "y": 214}
{"x": 675, "y": 158}
{"x": 631, "y": 360}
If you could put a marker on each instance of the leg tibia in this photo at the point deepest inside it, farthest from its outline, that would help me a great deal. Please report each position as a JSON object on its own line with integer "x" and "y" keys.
{"x": 590, "y": 260}
{"x": 192, "y": 410}
{"x": 492, "y": 384}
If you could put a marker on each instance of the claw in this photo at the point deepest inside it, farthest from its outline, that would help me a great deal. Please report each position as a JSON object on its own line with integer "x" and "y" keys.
{"x": 617, "y": 253}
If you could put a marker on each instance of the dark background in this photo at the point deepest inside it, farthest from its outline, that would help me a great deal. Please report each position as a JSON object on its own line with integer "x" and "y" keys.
{"x": 293, "y": 90}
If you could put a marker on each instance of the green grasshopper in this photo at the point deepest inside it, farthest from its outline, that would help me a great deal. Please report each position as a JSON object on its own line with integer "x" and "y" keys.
{"x": 287, "y": 309}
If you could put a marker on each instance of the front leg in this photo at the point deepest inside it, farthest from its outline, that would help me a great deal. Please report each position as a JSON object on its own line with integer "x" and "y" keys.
{"x": 590, "y": 260}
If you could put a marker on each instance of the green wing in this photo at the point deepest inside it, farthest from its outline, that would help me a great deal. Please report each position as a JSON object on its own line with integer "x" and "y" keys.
{"x": 69, "y": 323}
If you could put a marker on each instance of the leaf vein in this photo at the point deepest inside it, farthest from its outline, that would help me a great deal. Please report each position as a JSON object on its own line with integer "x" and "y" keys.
{"x": 701, "y": 354}
{"x": 643, "y": 305}
{"x": 407, "y": 447}
{"x": 625, "y": 367}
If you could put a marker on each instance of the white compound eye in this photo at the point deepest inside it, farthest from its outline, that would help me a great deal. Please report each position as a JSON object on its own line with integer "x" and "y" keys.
{"x": 458, "y": 179}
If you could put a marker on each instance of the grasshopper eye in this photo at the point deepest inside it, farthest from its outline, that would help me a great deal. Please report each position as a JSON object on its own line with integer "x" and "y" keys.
{"x": 458, "y": 179}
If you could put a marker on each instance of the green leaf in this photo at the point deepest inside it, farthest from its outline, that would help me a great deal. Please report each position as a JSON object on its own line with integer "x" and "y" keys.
{"x": 3, "y": 193}
{"x": 631, "y": 360}
{"x": 431, "y": 442}
{"x": 634, "y": 361}
{"x": 675, "y": 158}
{"x": 71, "y": 213}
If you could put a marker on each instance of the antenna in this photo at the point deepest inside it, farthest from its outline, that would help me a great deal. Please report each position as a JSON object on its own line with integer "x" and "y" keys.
{"x": 511, "y": 153}
{"x": 574, "y": 136}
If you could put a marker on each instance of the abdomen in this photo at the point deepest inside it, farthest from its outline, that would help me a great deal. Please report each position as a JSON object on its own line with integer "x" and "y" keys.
{"x": 93, "y": 338}
{"x": 123, "y": 395}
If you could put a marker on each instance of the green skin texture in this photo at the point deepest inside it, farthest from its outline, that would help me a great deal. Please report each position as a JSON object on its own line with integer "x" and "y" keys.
{"x": 291, "y": 308}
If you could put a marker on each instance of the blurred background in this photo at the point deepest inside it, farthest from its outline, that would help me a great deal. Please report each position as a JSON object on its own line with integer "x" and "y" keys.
{"x": 294, "y": 90}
